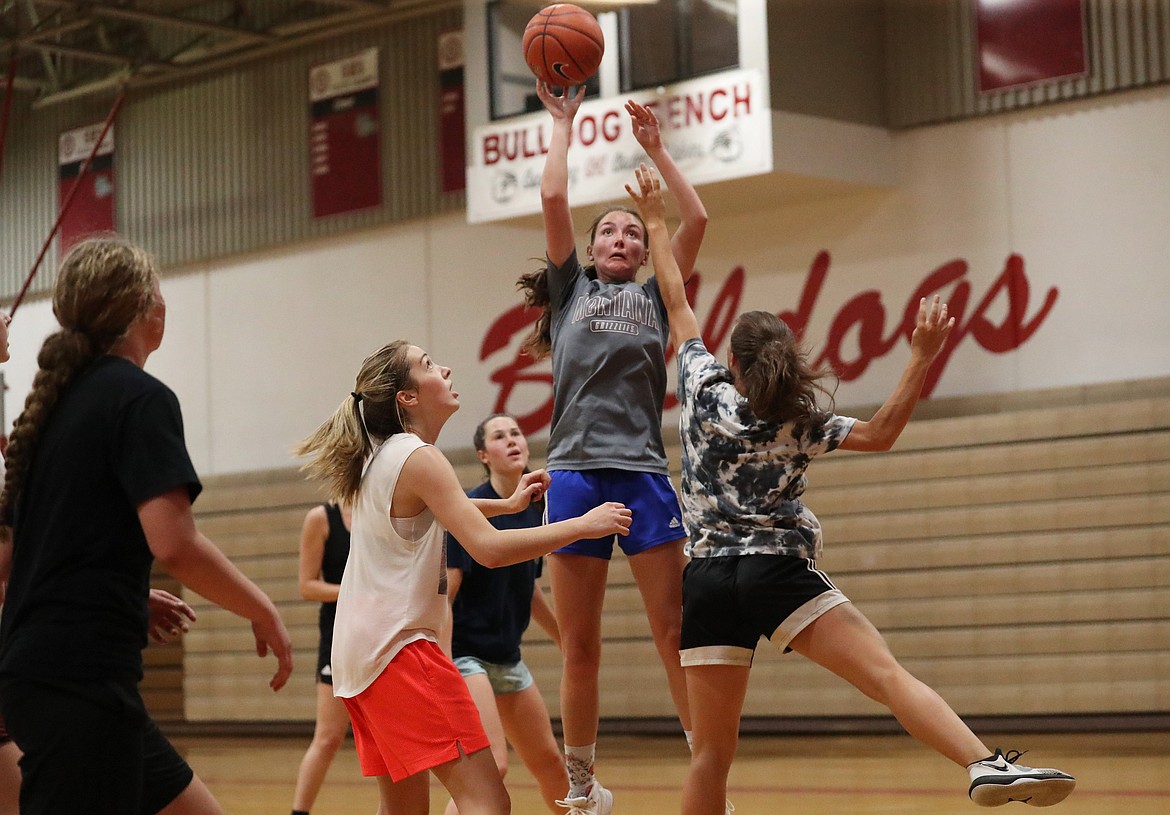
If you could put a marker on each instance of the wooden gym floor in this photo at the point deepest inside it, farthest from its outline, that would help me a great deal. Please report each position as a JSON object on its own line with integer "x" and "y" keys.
{"x": 826, "y": 775}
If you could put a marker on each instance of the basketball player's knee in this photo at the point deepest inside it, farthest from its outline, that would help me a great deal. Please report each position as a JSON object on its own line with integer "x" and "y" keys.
{"x": 330, "y": 742}
{"x": 882, "y": 682}
{"x": 582, "y": 656}
{"x": 713, "y": 759}
{"x": 667, "y": 631}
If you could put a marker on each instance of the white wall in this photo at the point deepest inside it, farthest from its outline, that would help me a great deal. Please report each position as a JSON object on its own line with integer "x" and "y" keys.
{"x": 261, "y": 348}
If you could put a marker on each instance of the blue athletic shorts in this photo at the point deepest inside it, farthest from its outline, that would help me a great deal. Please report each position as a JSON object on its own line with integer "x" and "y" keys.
{"x": 657, "y": 515}
{"x": 505, "y": 678}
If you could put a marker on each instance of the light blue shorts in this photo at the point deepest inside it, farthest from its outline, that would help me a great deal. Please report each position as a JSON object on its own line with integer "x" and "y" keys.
{"x": 504, "y": 679}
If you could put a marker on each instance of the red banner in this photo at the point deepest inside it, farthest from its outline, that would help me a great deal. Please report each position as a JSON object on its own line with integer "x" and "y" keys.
{"x": 92, "y": 209}
{"x": 345, "y": 143}
{"x": 1021, "y": 42}
{"x": 452, "y": 125}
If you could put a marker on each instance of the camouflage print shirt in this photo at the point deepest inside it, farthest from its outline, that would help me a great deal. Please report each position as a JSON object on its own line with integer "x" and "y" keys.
{"x": 742, "y": 477}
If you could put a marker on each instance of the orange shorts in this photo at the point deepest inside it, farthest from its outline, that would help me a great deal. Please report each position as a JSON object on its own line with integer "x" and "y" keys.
{"x": 416, "y": 715}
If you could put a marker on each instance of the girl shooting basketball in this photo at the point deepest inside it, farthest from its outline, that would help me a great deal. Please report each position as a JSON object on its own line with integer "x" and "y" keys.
{"x": 609, "y": 382}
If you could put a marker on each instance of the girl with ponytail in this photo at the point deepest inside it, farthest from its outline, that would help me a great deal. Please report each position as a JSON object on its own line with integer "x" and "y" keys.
{"x": 409, "y": 707}
{"x": 749, "y": 431}
{"x": 99, "y": 485}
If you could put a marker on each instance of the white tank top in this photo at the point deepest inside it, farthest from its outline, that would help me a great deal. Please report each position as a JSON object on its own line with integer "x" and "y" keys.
{"x": 394, "y": 589}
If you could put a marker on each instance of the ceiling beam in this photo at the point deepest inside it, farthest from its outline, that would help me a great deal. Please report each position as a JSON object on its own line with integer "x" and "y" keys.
{"x": 339, "y": 24}
{"x": 86, "y": 54}
{"x": 112, "y": 82}
{"x": 111, "y": 11}
{"x": 369, "y": 5}
{"x": 50, "y": 31}
{"x": 172, "y": 21}
{"x": 47, "y": 61}
{"x": 21, "y": 83}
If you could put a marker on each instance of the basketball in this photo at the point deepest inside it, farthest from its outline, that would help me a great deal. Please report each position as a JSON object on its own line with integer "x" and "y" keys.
{"x": 563, "y": 44}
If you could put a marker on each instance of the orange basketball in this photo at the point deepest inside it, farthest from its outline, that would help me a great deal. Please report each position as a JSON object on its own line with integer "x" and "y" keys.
{"x": 563, "y": 44}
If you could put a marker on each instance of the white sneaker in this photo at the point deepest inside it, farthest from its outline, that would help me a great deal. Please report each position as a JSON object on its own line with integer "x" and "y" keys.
{"x": 997, "y": 780}
{"x": 599, "y": 801}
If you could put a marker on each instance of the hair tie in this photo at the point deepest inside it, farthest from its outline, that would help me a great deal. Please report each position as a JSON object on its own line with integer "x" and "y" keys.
{"x": 357, "y": 397}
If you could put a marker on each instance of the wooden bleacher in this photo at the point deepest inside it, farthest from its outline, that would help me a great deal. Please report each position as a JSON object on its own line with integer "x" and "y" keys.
{"x": 1017, "y": 560}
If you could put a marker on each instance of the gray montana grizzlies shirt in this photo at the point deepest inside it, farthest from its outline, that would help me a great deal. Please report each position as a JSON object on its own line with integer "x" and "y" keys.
{"x": 609, "y": 372}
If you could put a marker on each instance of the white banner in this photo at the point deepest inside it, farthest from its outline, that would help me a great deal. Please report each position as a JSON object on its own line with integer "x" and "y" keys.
{"x": 344, "y": 76}
{"x": 76, "y": 145}
{"x": 716, "y": 128}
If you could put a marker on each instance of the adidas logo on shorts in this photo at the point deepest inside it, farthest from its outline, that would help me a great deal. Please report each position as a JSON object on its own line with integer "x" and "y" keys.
{"x": 674, "y": 523}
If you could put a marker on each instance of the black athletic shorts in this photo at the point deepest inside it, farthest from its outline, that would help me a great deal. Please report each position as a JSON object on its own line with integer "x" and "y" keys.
{"x": 730, "y": 602}
{"x": 90, "y": 749}
{"x": 324, "y": 658}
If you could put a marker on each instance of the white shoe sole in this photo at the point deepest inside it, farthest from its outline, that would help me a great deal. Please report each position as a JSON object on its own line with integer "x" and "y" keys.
{"x": 1037, "y": 792}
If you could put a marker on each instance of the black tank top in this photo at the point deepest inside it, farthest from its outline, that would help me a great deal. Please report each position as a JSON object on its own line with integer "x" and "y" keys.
{"x": 333, "y": 565}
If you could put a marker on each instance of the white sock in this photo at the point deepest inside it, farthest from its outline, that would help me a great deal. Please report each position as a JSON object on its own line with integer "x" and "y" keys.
{"x": 579, "y": 763}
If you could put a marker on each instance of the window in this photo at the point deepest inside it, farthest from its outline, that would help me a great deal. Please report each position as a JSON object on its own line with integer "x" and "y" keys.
{"x": 647, "y": 44}
{"x": 666, "y": 42}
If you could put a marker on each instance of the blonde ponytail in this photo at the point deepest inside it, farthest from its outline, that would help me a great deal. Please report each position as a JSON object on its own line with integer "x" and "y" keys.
{"x": 365, "y": 418}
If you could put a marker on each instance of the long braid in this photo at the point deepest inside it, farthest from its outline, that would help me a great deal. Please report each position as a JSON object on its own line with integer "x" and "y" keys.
{"x": 103, "y": 286}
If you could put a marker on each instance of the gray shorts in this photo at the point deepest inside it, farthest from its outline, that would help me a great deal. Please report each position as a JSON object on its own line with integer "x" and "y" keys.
{"x": 504, "y": 678}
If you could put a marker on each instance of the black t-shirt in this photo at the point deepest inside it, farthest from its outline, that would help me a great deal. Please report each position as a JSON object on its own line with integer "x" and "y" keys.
{"x": 76, "y": 607}
{"x": 493, "y": 606}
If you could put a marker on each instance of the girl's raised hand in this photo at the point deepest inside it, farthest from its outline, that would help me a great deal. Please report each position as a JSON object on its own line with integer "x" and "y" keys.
{"x": 564, "y": 107}
{"x": 645, "y": 125}
{"x": 649, "y": 195}
{"x": 932, "y": 328}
